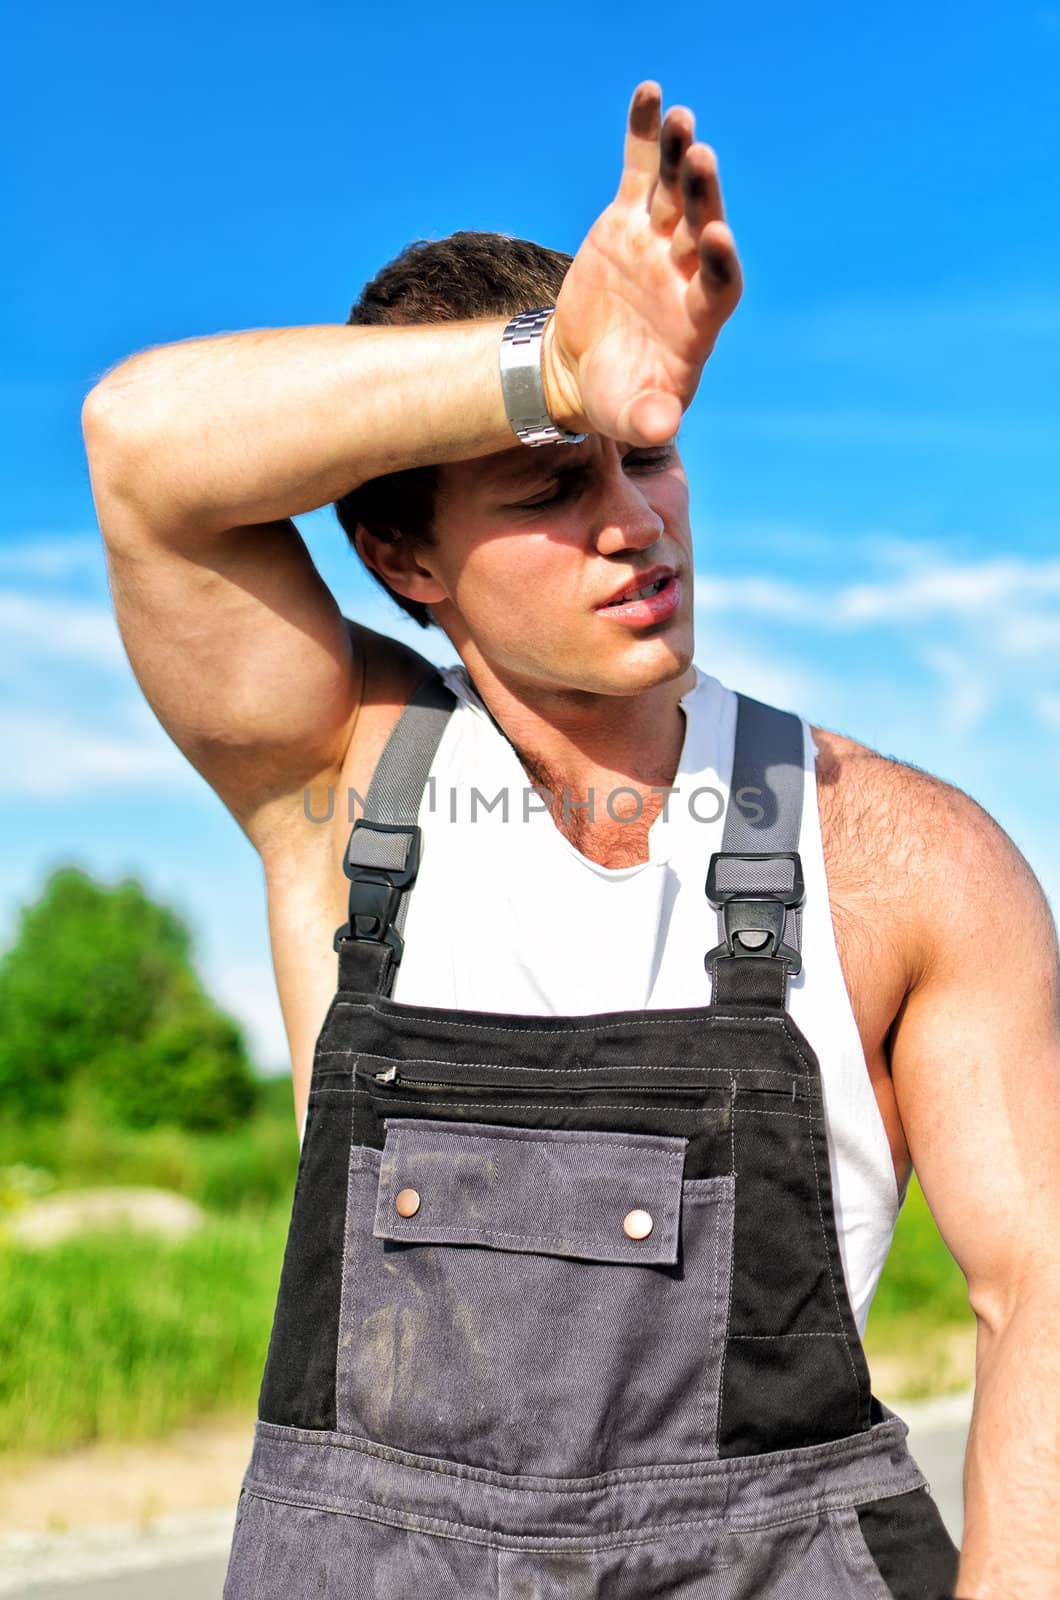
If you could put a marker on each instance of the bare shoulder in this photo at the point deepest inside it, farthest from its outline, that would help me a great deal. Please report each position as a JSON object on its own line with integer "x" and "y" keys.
{"x": 918, "y": 846}
{"x": 393, "y": 668}
{"x": 390, "y": 673}
{"x": 878, "y": 811}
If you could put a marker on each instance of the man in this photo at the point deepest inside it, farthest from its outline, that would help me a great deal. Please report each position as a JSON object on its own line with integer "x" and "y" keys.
{"x": 367, "y": 1472}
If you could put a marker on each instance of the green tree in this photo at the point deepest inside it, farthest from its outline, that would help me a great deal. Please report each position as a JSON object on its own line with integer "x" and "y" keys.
{"x": 98, "y": 990}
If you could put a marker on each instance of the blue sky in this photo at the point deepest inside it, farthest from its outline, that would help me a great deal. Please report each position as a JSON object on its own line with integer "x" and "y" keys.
{"x": 873, "y": 451}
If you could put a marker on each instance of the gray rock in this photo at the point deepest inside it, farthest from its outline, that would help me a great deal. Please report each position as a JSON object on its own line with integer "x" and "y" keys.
{"x": 74, "y": 1211}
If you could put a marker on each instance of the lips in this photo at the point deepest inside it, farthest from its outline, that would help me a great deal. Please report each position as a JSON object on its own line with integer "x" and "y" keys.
{"x": 653, "y": 600}
{"x": 640, "y": 587}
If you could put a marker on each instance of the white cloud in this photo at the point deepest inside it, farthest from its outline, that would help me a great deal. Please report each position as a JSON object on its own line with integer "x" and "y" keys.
{"x": 948, "y": 588}
{"x": 767, "y": 677}
{"x": 968, "y": 692}
{"x": 931, "y": 588}
{"x": 36, "y": 628}
{"x": 50, "y": 754}
{"x": 53, "y": 556}
{"x": 1025, "y": 633}
{"x": 975, "y": 624}
{"x": 762, "y": 597}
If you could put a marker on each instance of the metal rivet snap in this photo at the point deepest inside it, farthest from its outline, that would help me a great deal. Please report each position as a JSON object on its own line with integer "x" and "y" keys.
{"x": 638, "y": 1224}
{"x": 407, "y": 1203}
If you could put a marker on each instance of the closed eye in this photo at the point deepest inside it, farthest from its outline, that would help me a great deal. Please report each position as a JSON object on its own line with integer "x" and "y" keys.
{"x": 566, "y": 483}
{"x": 653, "y": 460}
{"x": 559, "y": 491}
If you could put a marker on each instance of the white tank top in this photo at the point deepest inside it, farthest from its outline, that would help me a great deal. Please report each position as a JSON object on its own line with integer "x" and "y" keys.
{"x": 508, "y": 916}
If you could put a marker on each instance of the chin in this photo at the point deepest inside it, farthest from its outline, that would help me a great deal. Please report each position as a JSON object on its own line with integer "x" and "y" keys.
{"x": 650, "y": 664}
{"x": 572, "y": 665}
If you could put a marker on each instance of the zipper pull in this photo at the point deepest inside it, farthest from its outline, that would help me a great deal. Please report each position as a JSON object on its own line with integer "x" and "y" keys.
{"x": 388, "y": 1076}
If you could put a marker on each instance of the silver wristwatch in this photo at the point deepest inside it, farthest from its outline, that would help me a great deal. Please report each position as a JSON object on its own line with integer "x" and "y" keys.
{"x": 523, "y": 389}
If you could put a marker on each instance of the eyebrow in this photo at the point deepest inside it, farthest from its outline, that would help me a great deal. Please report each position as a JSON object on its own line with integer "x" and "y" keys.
{"x": 510, "y": 471}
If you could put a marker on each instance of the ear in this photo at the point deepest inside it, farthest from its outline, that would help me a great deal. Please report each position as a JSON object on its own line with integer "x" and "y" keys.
{"x": 395, "y": 560}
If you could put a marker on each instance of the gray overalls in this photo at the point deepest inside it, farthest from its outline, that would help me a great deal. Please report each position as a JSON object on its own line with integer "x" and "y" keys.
{"x": 562, "y": 1312}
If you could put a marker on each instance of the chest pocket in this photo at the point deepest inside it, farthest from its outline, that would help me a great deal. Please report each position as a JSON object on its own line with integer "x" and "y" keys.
{"x": 533, "y": 1301}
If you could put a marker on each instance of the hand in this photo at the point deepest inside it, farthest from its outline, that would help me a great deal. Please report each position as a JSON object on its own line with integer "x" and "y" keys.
{"x": 646, "y": 295}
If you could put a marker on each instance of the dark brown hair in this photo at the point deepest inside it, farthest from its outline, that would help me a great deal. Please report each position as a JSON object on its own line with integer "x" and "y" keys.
{"x": 456, "y": 279}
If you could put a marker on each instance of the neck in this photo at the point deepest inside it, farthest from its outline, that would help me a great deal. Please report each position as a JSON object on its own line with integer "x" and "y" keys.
{"x": 580, "y": 742}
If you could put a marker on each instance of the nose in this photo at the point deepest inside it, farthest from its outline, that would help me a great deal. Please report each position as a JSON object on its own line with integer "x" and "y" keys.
{"x": 624, "y": 519}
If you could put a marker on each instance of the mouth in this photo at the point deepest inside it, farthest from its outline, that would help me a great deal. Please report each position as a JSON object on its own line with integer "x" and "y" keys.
{"x": 655, "y": 598}
{"x": 643, "y": 593}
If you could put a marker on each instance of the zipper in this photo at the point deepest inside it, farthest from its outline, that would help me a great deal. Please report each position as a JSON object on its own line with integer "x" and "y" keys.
{"x": 528, "y": 1081}
{"x": 660, "y": 1081}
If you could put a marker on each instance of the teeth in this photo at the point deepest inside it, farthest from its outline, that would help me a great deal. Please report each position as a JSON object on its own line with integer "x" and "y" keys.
{"x": 639, "y": 594}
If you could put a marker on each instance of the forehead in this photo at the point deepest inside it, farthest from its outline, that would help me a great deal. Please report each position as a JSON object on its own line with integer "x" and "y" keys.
{"x": 524, "y": 464}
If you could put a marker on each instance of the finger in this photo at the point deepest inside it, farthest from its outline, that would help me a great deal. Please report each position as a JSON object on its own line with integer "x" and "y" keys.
{"x": 653, "y": 418}
{"x": 718, "y": 284}
{"x": 718, "y": 261}
{"x": 700, "y": 188}
{"x": 641, "y": 152}
{"x": 701, "y": 204}
{"x": 667, "y": 204}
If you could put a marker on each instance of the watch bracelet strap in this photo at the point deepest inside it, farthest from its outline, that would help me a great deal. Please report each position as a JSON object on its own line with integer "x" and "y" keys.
{"x": 522, "y": 384}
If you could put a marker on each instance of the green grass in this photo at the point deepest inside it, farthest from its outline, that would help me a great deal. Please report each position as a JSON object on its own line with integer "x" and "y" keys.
{"x": 920, "y": 1278}
{"x": 920, "y": 1310}
{"x": 250, "y": 1169}
{"x": 120, "y": 1336}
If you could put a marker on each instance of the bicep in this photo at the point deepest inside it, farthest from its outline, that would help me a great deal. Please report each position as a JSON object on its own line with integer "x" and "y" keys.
{"x": 975, "y": 1061}
{"x": 241, "y": 651}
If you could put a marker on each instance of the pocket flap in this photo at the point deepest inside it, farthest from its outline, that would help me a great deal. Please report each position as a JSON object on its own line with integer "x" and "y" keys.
{"x": 599, "y": 1196}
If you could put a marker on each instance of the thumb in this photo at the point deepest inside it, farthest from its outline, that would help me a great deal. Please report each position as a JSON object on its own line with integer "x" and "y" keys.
{"x": 653, "y": 417}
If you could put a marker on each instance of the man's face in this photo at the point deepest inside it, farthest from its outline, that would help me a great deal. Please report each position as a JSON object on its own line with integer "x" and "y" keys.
{"x": 532, "y": 545}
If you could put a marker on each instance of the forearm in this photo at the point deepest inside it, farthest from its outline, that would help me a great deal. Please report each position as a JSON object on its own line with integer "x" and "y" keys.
{"x": 246, "y": 428}
{"x": 1011, "y": 1547}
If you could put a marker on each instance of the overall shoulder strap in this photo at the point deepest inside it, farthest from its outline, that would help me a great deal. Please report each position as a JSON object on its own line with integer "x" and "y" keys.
{"x": 755, "y": 879}
{"x": 383, "y": 853}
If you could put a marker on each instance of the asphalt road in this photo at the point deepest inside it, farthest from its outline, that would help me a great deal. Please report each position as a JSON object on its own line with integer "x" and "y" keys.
{"x": 190, "y": 1580}
{"x": 187, "y": 1559}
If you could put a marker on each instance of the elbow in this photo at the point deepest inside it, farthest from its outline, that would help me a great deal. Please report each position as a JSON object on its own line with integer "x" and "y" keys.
{"x": 101, "y": 423}
{"x": 94, "y": 418}
{"x": 105, "y": 415}
{"x": 115, "y": 429}
{"x": 121, "y": 407}
{"x": 105, "y": 450}
{"x": 1026, "y": 1289}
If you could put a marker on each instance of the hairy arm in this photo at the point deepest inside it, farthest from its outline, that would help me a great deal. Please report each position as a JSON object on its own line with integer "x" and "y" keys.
{"x": 200, "y": 453}
{"x": 976, "y": 1068}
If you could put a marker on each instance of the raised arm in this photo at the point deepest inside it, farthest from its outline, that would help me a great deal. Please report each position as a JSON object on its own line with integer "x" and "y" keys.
{"x": 201, "y": 452}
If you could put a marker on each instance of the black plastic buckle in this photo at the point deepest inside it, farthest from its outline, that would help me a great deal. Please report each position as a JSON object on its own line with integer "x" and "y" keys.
{"x": 753, "y": 920}
{"x": 375, "y": 892}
